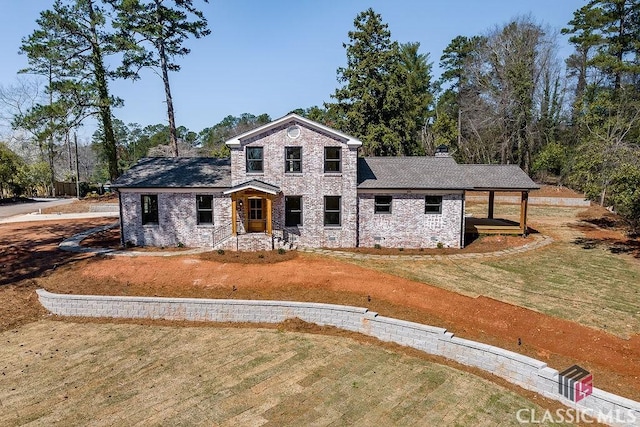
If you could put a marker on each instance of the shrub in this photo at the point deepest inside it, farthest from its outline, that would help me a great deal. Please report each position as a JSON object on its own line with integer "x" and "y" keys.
{"x": 281, "y": 251}
{"x": 220, "y": 251}
{"x": 377, "y": 246}
{"x": 440, "y": 245}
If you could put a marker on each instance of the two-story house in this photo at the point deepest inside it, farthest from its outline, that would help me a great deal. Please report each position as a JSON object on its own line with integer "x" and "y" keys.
{"x": 298, "y": 182}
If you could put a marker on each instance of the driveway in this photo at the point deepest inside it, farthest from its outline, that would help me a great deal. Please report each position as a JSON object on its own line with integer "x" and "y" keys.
{"x": 24, "y": 208}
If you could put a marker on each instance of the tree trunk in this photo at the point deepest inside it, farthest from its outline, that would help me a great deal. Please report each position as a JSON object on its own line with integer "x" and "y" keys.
{"x": 173, "y": 134}
{"x": 109, "y": 143}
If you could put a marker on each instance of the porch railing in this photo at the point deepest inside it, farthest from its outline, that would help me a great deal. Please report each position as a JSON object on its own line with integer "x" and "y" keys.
{"x": 221, "y": 233}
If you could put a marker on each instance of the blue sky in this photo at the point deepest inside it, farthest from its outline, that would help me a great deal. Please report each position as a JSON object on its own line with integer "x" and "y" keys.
{"x": 277, "y": 55}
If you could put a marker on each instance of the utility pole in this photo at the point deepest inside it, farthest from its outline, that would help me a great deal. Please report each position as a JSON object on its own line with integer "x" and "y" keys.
{"x": 75, "y": 139}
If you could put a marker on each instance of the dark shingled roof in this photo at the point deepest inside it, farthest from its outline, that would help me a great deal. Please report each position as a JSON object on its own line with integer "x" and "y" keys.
{"x": 507, "y": 177}
{"x": 174, "y": 172}
{"x": 438, "y": 173}
{"x": 409, "y": 172}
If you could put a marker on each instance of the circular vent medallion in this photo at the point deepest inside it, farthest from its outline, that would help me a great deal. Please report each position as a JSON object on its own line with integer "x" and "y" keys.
{"x": 293, "y": 132}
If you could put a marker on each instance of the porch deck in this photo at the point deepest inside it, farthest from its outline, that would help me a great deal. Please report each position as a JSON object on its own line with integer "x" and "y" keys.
{"x": 492, "y": 226}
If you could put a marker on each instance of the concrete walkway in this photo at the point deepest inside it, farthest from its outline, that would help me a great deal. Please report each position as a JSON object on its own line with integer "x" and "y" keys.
{"x": 57, "y": 217}
{"x": 72, "y": 244}
{"x": 13, "y": 209}
{"x": 539, "y": 241}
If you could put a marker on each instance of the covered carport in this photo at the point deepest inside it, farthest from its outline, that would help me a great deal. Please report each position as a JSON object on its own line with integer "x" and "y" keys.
{"x": 496, "y": 179}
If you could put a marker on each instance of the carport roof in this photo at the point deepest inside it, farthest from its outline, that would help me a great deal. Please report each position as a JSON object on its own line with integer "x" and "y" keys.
{"x": 438, "y": 173}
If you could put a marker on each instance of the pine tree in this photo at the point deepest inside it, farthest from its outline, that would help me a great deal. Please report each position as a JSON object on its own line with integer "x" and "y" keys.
{"x": 374, "y": 103}
{"x": 69, "y": 48}
{"x": 152, "y": 33}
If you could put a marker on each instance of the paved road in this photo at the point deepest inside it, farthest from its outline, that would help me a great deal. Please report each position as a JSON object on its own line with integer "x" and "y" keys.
{"x": 24, "y": 208}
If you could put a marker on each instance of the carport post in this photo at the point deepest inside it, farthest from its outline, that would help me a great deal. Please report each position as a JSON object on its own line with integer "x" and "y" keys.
{"x": 523, "y": 212}
{"x": 492, "y": 195}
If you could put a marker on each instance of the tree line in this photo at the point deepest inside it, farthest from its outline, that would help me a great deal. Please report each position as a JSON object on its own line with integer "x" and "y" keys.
{"x": 504, "y": 96}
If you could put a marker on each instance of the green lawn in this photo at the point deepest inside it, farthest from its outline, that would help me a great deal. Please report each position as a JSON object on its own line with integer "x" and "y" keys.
{"x": 64, "y": 373}
{"x": 592, "y": 286}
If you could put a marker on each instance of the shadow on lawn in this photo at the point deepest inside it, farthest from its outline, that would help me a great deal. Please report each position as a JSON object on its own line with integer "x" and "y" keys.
{"x": 615, "y": 246}
{"x": 30, "y": 251}
{"x": 606, "y": 233}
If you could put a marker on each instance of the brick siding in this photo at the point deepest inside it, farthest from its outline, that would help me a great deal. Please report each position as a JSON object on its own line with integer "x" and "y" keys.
{"x": 408, "y": 226}
{"x": 312, "y": 184}
{"x": 177, "y": 219}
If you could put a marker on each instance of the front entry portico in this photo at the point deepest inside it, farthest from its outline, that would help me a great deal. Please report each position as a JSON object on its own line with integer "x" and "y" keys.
{"x": 252, "y": 207}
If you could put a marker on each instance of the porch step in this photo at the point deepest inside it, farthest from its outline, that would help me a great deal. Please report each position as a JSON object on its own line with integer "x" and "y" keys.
{"x": 255, "y": 242}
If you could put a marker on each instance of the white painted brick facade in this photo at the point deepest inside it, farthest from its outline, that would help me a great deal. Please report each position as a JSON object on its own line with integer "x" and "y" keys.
{"x": 312, "y": 184}
{"x": 407, "y": 226}
{"x": 177, "y": 219}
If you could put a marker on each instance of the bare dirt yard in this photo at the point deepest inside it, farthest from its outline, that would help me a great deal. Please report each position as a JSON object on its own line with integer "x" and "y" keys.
{"x": 575, "y": 301}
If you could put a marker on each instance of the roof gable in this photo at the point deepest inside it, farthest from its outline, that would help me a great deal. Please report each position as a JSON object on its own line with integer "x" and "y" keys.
{"x": 293, "y": 119}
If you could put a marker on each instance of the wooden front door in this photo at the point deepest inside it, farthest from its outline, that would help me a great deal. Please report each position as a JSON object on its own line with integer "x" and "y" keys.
{"x": 257, "y": 222}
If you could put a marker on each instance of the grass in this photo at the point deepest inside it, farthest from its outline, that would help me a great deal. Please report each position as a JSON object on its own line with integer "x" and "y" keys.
{"x": 80, "y": 374}
{"x": 594, "y": 287}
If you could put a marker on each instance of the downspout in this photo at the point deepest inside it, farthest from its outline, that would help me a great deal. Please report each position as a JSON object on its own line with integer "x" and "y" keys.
{"x": 121, "y": 223}
{"x": 462, "y": 220}
{"x": 357, "y": 219}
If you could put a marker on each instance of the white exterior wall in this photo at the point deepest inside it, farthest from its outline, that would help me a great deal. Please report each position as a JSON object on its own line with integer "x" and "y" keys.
{"x": 408, "y": 226}
{"x": 312, "y": 184}
{"x": 177, "y": 218}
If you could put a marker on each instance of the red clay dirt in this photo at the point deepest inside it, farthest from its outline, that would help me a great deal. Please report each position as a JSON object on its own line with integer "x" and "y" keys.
{"x": 614, "y": 361}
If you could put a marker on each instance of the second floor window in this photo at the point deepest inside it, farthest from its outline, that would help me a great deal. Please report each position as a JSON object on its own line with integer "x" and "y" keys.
{"x": 293, "y": 159}
{"x": 255, "y": 159}
{"x": 149, "y": 209}
{"x": 205, "y": 209}
{"x": 332, "y": 159}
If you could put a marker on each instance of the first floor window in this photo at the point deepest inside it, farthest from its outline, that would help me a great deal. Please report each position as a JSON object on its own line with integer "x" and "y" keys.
{"x": 382, "y": 204}
{"x": 293, "y": 160}
{"x": 204, "y": 206}
{"x": 433, "y": 204}
{"x": 331, "y": 210}
{"x": 254, "y": 159}
{"x": 150, "y": 209}
{"x": 293, "y": 211}
{"x": 332, "y": 159}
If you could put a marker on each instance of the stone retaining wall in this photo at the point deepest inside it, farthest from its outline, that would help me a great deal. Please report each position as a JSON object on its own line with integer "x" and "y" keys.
{"x": 521, "y": 370}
